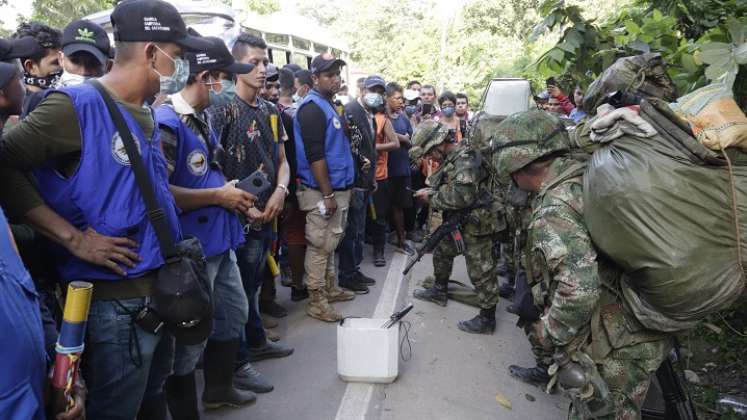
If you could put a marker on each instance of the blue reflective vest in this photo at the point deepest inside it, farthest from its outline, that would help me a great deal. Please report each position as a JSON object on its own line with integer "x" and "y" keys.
{"x": 103, "y": 194}
{"x": 22, "y": 352}
{"x": 337, "y": 152}
{"x": 217, "y": 229}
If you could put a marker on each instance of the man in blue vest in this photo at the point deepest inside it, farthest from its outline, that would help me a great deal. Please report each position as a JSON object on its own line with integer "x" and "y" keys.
{"x": 326, "y": 175}
{"x": 88, "y": 202}
{"x": 209, "y": 205}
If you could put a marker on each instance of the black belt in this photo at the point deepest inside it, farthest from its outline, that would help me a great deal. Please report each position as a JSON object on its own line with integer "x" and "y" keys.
{"x": 138, "y": 287}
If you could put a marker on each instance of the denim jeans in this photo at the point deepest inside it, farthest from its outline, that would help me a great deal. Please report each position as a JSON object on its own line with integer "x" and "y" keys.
{"x": 230, "y": 309}
{"x": 121, "y": 360}
{"x": 350, "y": 249}
{"x": 252, "y": 257}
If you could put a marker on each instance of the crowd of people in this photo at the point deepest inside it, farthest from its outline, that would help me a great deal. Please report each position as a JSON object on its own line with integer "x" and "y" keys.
{"x": 204, "y": 121}
{"x": 182, "y": 178}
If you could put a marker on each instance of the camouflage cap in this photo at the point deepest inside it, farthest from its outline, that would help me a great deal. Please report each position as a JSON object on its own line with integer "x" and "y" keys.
{"x": 428, "y": 135}
{"x": 525, "y": 137}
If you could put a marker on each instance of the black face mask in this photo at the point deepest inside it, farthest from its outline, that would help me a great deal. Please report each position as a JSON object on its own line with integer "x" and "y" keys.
{"x": 44, "y": 82}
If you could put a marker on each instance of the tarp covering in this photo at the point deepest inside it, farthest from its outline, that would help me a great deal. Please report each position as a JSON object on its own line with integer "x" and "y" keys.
{"x": 663, "y": 209}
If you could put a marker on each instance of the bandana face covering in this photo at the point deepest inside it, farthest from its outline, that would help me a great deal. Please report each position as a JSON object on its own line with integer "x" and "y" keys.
{"x": 44, "y": 82}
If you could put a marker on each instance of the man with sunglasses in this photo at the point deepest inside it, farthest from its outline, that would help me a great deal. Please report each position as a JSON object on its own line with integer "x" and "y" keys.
{"x": 460, "y": 180}
{"x": 209, "y": 205}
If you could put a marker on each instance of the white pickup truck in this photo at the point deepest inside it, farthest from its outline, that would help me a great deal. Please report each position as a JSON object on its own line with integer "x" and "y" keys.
{"x": 506, "y": 96}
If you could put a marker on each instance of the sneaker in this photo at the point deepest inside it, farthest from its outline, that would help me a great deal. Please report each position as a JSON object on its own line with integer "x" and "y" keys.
{"x": 286, "y": 278}
{"x": 298, "y": 295}
{"x": 249, "y": 379}
{"x": 272, "y": 336}
{"x": 354, "y": 286}
{"x": 379, "y": 260}
{"x": 268, "y": 323}
{"x": 364, "y": 279}
{"x": 269, "y": 351}
{"x": 272, "y": 309}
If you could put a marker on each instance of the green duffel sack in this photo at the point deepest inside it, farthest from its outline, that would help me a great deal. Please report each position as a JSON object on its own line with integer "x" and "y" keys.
{"x": 456, "y": 290}
{"x": 673, "y": 215}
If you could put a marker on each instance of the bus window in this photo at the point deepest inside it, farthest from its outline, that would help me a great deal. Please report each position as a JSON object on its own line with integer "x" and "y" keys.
{"x": 320, "y": 49}
{"x": 251, "y": 31}
{"x": 301, "y": 60}
{"x": 301, "y": 44}
{"x": 277, "y": 39}
{"x": 277, "y": 57}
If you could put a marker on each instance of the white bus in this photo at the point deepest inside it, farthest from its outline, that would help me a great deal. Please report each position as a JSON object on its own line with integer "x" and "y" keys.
{"x": 289, "y": 38}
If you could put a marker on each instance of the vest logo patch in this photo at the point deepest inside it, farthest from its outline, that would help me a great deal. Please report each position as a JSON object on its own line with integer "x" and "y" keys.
{"x": 336, "y": 123}
{"x": 118, "y": 149}
{"x": 197, "y": 163}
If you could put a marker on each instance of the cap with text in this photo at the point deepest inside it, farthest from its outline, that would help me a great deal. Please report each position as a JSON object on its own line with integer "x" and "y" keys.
{"x": 153, "y": 21}
{"x": 216, "y": 57}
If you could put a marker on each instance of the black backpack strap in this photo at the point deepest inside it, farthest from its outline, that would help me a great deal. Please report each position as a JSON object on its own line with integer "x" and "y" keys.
{"x": 156, "y": 214}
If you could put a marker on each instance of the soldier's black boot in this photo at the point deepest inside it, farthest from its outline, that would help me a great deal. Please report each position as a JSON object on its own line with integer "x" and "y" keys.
{"x": 483, "y": 323}
{"x": 218, "y": 361}
{"x": 181, "y": 396}
{"x": 435, "y": 293}
{"x": 535, "y": 375}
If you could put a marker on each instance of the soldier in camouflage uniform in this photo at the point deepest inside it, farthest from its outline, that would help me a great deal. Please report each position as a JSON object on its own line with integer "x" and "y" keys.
{"x": 458, "y": 182}
{"x": 583, "y": 313}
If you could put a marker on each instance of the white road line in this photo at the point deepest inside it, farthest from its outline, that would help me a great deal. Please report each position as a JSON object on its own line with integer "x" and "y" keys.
{"x": 356, "y": 401}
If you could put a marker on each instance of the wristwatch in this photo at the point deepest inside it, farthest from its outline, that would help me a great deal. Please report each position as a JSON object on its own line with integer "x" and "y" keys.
{"x": 284, "y": 188}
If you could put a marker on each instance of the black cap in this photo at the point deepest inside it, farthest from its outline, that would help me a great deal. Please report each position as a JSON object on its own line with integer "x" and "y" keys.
{"x": 153, "y": 21}
{"x": 7, "y": 72}
{"x": 84, "y": 35}
{"x": 373, "y": 81}
{"x": 216, "y": 57}
{"x": 324, "y": 62}
{"x": 293, "y": 67}
{"x": 272, "y": 73}
{"x": 18, "y": 48}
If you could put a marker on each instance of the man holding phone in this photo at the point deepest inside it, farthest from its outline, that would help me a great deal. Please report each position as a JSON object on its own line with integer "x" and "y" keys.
{"x": 209, "y": 205}
{"x": 326, "y": 174}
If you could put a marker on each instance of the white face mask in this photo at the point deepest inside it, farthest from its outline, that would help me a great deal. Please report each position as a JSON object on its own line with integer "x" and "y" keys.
{"x": 70, "y": 79}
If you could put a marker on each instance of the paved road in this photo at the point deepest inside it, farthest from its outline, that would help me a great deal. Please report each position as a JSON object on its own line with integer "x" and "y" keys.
{"x": 452, "y": 375}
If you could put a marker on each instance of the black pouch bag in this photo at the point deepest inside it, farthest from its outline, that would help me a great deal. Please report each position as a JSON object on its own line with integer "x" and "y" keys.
{"x": 181, "y": 296}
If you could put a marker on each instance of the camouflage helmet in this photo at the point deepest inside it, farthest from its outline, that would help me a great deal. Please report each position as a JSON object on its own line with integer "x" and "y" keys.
{"x": 428, "y": 135}
{"x": 525, "y": 137}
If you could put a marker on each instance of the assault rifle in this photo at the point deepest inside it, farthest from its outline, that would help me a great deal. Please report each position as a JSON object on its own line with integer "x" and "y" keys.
{"x": 450, "y": 225}
{"x": 677, "y": 402}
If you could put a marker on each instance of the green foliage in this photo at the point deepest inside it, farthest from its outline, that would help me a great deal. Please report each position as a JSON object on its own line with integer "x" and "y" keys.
{"x": 697, "y": 50}
{"x": 262, "y": 7}
{"x": 58, "y": 13}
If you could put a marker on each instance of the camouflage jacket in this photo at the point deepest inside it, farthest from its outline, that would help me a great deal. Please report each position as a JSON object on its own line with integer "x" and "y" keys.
{"x": 561, "y": 250}
{"x": 457, "y": 183}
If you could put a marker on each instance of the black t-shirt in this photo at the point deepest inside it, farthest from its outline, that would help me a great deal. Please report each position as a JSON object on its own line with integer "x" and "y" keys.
{"x": 313, "y": 125}
{"x": 249, "y": 141}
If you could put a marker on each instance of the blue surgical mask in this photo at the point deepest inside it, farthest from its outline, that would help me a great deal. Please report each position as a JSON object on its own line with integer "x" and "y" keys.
{"x": 373, "y": 100}
{"x": 448, "y": 111}
{"x": 411, "y": 110}
{"x": 178, "y": 79}
{"x": 226, "y": 94}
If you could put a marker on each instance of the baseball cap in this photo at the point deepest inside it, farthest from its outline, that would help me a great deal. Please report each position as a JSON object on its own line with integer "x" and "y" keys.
{"x": 84, "y": 35}
{"x": 18, "y": 48}
{"x": 216, "y": 57}
{"x": 272, "y": 73}
{"x": 373, "y": 81}
{"x": 153, "y": 21}
{"x": 324, "y": 62}
{"x": 7, "y": 72}
{"x": 293, "y": 67}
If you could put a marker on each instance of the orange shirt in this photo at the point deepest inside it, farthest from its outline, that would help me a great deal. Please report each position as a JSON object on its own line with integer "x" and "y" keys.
{"x": 382, "y": 158}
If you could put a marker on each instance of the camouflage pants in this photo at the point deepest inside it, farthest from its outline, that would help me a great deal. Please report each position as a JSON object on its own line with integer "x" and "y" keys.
{"x": 480, "y": 253}
{"x": 628, "y": 372}
{"x": 542, "y": 356}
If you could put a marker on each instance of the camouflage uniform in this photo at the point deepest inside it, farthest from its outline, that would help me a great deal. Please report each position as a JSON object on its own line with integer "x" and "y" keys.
{"x": 584, "y": 313}
{"x": 456, "y": 184}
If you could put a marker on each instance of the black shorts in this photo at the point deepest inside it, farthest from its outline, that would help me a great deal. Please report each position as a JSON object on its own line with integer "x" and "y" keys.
{"x": 382, "y": 199}
{"x": 400, "y": 196}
